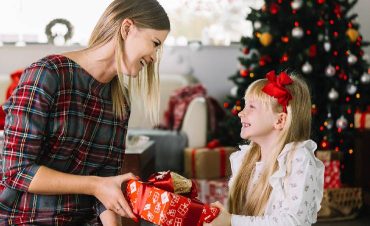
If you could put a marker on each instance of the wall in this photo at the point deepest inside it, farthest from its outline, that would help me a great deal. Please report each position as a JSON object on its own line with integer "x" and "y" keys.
{"x": 362, "y": 9}
{"x": 211, "y": 65}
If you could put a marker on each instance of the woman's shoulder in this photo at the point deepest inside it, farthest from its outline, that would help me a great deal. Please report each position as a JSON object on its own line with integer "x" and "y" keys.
{"x": 52, "y": 62}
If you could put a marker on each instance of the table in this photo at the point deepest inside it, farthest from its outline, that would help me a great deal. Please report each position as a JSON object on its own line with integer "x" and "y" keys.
{"x": 140, "y": 160}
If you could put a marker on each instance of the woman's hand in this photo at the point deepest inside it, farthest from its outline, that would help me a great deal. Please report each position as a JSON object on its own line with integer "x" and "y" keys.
{"x": 108, "y": 191}
{"x": 223, "y": 218}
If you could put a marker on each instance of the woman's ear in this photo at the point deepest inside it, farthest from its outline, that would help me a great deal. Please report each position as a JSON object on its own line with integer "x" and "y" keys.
{"x": 126, "y": 26}
{"x": 280, "y": 121}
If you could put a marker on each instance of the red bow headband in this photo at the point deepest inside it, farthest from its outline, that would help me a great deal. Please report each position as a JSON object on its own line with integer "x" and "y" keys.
{"x": 275, "y": 87}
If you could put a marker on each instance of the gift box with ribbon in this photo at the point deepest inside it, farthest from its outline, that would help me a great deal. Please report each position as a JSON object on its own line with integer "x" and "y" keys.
{"x": 210, "y": 191}
{"x": 331, "y": 160}
{"x": 211, "y": 162}
{"x": 362, "y": 119}
{"x": 168, "y": 199}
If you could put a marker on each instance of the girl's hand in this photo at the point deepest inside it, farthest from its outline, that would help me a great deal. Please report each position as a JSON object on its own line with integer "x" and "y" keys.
{"x": 110, "y": 218}
{"x": 108, "y": 191}
{"x": 223, "y": 218}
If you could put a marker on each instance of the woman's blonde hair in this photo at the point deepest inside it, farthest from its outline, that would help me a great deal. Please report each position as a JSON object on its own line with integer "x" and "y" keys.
{"x": 297, "y": 128}
{"x": 145, "y": 14}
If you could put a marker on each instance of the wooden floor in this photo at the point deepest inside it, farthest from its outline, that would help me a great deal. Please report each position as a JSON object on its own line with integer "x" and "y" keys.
{"x": 363, "y": 220}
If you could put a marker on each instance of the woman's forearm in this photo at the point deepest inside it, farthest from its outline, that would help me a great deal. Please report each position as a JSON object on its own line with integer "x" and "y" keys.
{"x": 51, "y": 182}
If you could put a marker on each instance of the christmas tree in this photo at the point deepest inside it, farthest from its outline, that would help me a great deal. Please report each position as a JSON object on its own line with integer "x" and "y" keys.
{"x": 320, "y": 40}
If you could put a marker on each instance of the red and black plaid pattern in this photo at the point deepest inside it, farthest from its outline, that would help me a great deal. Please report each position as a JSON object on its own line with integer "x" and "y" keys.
{"x": 59, "y": 116}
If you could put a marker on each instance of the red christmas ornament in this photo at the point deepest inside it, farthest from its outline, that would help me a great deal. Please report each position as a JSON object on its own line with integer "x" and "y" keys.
{"x": 234, "y": 111}
{"x": 285, "y": 39}
{"x": 264, "y": 60}
{"x": 313, "y": 110}
{"x": 243, "y": 72}
{"x": 312, "y": 51}
{"x": 324, "y": 144}
{"x": 337, "y": 9}
{"x": 274, "y": 8}
{"x": 226, "y": 105}
{"x": 343, "y": 76}
{"x": 335, "y": 34}
{"x": 331, "y": 22}
{"x": 245, "y": 51}
{"x": 284, "y": 58}
{"x": 308, "y": 32}
{"x": 296, "y": 24}
{"x": 238, "y": 102}
{"x": 320, "y": 1}
{"x": 320, "y": 23}
{"x": 335, "y": 53}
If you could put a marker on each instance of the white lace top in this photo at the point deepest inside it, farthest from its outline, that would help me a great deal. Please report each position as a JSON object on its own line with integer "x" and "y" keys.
{"x": 295, "y": 200}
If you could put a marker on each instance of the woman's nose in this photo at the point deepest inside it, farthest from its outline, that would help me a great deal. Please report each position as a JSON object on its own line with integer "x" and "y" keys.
{"x": 154, "y": 56}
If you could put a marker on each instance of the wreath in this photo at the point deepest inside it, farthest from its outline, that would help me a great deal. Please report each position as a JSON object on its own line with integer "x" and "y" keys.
{"x": 51, "y": 24}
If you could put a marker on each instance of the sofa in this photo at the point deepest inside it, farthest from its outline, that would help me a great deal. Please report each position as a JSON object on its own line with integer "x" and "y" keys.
{"x": 169, "y": 144}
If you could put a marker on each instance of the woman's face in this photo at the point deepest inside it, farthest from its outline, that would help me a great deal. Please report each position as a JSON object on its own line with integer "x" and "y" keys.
{"x": 140, "y": 48}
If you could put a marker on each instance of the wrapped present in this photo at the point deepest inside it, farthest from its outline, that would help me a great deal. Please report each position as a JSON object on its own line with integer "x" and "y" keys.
{"x": 210, "y": 191}
{"x": 15, "y": 77}
{"x": 340, "y": 203}
{"x": 331, "y": 160}
{"x": 157, "y": 202}
{"x": 208, "y": 163}
{"x": 332, "y": 174}
{"x": 329, "y": 155}
{"x": 362, "y": 119}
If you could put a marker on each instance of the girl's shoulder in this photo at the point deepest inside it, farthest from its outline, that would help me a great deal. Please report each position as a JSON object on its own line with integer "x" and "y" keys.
{"x": 302, "y": 149}
{"x": 300, "y": 153}
{"x": 243, "y": 149}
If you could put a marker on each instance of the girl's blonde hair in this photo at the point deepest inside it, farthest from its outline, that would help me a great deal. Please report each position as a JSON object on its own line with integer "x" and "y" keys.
{"x": 297, "y": 128}
{"x": 145, "y": 14}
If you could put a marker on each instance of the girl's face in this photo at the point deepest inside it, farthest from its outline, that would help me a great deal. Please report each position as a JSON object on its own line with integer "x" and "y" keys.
{"x": 258, "y": 121}
{"x": 140, "y": 48}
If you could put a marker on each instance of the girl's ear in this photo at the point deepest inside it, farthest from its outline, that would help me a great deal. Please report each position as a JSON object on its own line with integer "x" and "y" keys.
{"x": 280, "y": 121}
{"x": 126, "y": 26}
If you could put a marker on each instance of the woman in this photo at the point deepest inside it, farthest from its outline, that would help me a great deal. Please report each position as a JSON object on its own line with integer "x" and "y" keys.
{"x": 67, "y": 120}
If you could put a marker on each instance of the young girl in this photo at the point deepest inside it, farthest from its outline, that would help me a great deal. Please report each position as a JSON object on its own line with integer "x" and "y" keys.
{"x": 276, "y": 178}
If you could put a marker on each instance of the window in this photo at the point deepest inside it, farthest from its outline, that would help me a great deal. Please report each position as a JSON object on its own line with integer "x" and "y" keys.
{"x": 212, "y": 21}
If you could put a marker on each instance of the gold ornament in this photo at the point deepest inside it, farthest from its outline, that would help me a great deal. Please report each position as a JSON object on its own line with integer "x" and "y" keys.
{"x": 265, "y": 39}
{"x": 352, "y": 34}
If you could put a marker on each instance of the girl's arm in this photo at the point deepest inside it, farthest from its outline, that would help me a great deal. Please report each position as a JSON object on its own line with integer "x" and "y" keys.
{"x": 109, "y": 218}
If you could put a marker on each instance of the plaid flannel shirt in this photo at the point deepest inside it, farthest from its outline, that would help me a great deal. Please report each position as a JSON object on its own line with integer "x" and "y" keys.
{"x": 60, "y": 117}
